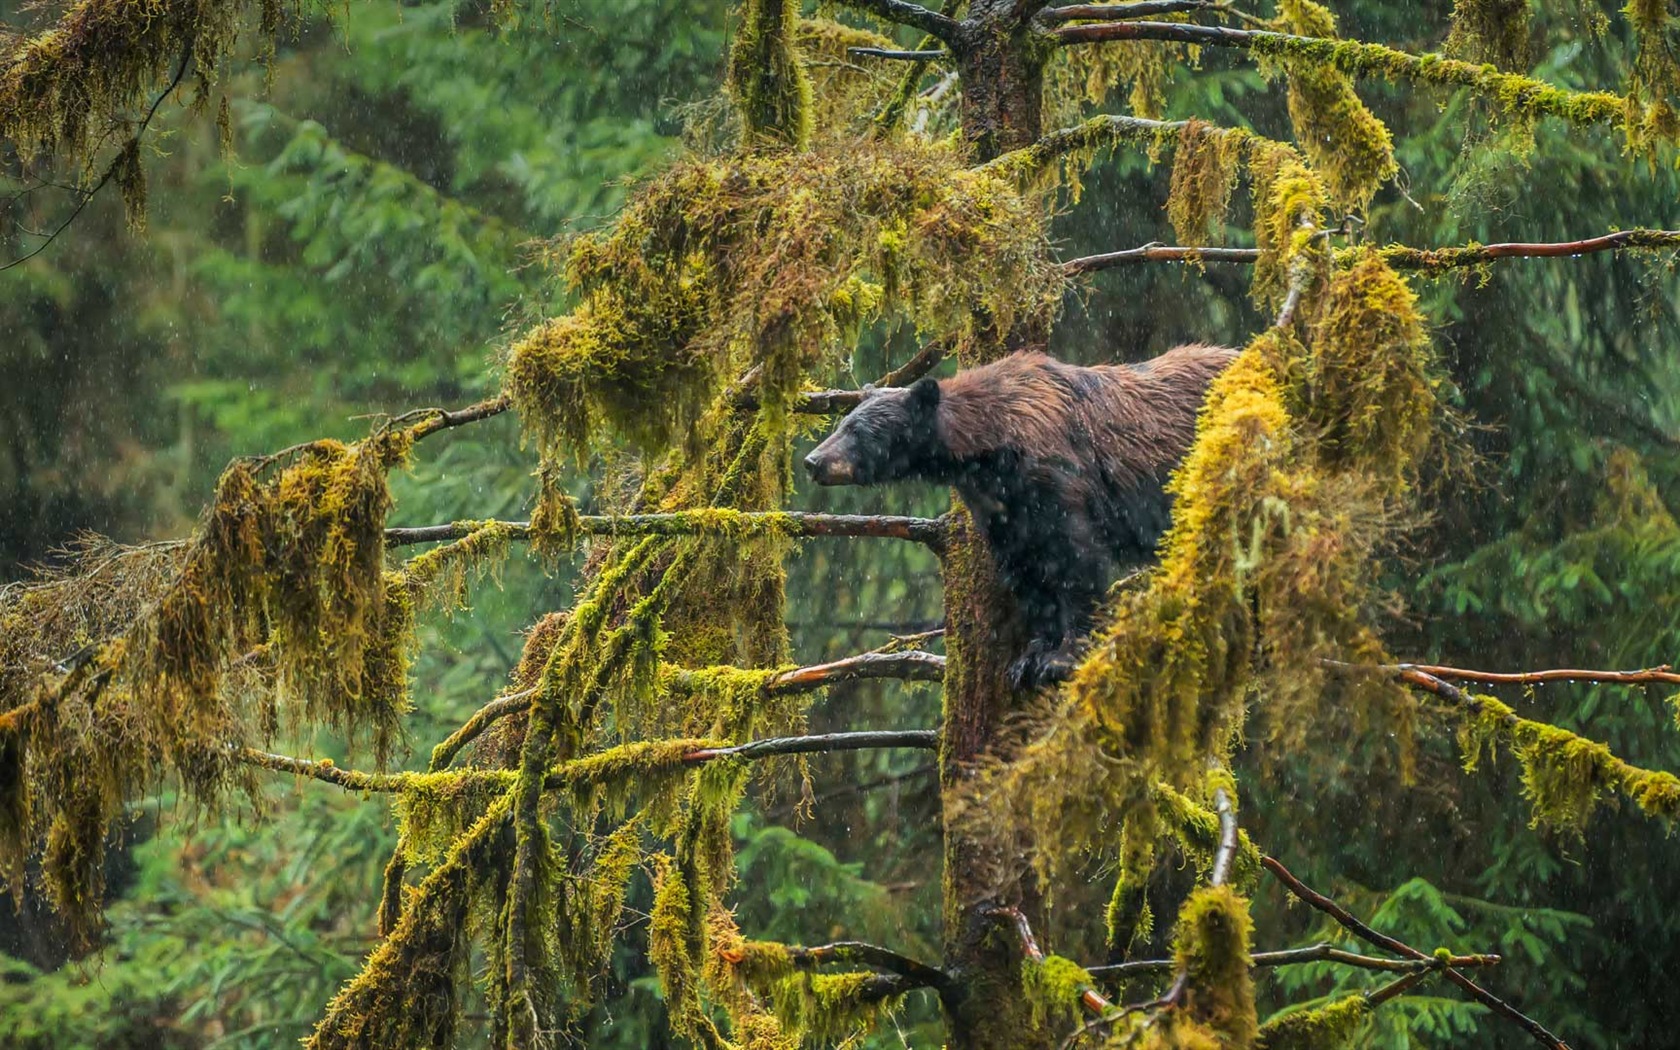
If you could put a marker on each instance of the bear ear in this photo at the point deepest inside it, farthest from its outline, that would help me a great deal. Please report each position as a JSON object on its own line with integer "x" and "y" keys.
{"x": 924, "y": 393}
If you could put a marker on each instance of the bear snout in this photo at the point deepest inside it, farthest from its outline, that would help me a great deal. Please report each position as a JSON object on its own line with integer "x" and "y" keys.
{"x": 828, "y": 470}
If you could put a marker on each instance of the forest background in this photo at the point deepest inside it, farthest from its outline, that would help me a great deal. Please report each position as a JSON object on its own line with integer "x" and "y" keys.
{"x": 375, "y": 233}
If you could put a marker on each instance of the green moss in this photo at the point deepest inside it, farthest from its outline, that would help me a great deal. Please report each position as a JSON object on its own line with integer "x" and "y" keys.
{"x": 1330, "y": 1027}
{"x": 1204, "y": 172}
{"x": 1052, "y": 989}
{"x": 767, "y": 78}
{"x": 1495, "y": 32}
{"x": 1212, "y": 948}
{"x": 1346, "y": 143}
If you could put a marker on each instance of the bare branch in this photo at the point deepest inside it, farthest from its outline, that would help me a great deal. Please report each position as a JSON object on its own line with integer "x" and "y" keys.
{"x": 920, "y": 739}
{"x": 929, "y": 531}
{"x": 1365, "y": 933}
{"x": 1089, "y": 997}
{"x": 828, "y": 402}
{"x": 904, "y": 13}
{"x": 1160, "y": 253}
{"x": 1124, "y": 11}
{"x": 437, "y": 419}
{"x": 1356, "y": 58}
{"x": 1296, "y": 956}
{"x": 1662, "y": 673}
{"x": 898, "y": 56}
{"x": 1227, "y": 837}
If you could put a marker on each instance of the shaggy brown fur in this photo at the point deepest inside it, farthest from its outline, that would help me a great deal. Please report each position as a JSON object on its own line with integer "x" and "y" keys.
{"x": 1062, "y": 466}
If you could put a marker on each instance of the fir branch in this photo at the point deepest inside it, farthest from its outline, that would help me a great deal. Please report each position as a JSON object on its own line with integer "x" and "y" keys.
{"x": 1353, "y": 925}
{"x": 929, "y": 531}
{"x": 1514, "y": 92}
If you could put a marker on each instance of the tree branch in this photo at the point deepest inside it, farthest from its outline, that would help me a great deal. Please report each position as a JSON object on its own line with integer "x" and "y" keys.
{"x": 1089, "y": 997}
{"x": 1105, "y": 129}
{"x": 1400, "y": 256}
{"x": 1124, "y": 11}
{"x": 914, "y": 665}
{"x": 928, "y": 531}
{"x": 1662, "y": 673}
{"x": 1365, "y": 933}
{"x": 1355, "y": 58}
{"x": 437, "y": 419}
{"x": 356, "y": 780}
{"x": 922, "y": 974}
{"x": 904, "y": 13}
{"x": 1296, "y": 956}
{"x": 898, "y": 56}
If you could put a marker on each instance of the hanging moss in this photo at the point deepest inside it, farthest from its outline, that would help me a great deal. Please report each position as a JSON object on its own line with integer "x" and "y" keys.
{"x": 714, "y": 269}
{"x": 1330, "y": 1027}
{"x": 554, "y": 520}
{"x": 1344, "y": 140}
{"x": 1128, "y": 918}
{"x": 1052, "y": 989}
{"x": 767, "y": 78}
{"x": 1653, "y": 86}
{"x": 1490, "y": 31}
{"x": 440, "y": 576}
{"x": 1564, "y": 776}
{"x": 1290, "y": 201}
{"x": 1204, "y": 173}
{"x": 1212, "y": 948}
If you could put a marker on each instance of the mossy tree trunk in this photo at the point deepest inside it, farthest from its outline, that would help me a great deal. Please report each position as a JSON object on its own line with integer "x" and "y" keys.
{"x": 1001, "y": 70}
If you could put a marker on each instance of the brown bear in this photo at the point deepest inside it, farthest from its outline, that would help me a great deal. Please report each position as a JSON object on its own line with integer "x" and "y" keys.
{"x": 1063, "y": 468}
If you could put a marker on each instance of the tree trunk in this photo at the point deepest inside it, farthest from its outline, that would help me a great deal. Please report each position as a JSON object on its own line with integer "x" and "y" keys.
{"x": 1002, "y": 74}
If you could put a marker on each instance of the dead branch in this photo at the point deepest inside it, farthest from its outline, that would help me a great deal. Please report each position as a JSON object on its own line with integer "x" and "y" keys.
{"x": 1296, "y": 956}
{"x": 897, "y": 56}
{"x": 1365, "y": 933}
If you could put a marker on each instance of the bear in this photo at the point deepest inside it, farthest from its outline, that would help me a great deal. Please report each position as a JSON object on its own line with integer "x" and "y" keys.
{"x": 1063, "y": 468}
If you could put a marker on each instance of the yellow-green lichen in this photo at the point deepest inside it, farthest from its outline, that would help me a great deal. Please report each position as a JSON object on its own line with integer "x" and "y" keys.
{"x": 1053, "y": 988}
{"x": 1211, "y": 947}
{"x": 1346, "y": 143}
{"x": 1333, "y": 1026}
{"x": 1205, "y": 162}
{"x": 767, "y": 78}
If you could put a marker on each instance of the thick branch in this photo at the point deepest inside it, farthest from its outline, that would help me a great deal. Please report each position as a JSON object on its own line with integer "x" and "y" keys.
{"x": 904, "y": 13}
{"x": 1518, "y": 93}
{"x": 1121, "y": 12}
{"x": 929, "y": 531}
{"x": 871, "y": 955}
{"x": 1399, "y": 256}
{"x": 1294, "y": 956}
{"x": 1365, "y": 933}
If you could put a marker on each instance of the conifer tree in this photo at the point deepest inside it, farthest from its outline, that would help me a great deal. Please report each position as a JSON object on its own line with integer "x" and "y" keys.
{"x": 704, "y": 323}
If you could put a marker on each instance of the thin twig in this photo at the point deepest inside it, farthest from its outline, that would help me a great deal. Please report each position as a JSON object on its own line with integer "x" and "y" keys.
{"x": 1296, "y": 956}
{"x": 1661, "y": 673}
{"x": 920, "y": 739}
{"x": 1123, "y": 11}
{"x": 898, "y": 56}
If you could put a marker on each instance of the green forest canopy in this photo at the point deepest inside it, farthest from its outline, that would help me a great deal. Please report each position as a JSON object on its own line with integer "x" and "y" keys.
{"x": 664, "y": 365}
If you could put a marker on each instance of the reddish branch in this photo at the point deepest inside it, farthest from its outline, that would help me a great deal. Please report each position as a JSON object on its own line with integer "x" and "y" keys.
{"x": 929, "y": 531}
{"x": 1090, "y": 998}
{"x": 1397, "y": 255}
{"x": 1120, "y": 12}
{"x": 1662, "y": 673}
{"x": 914, "y": 664}
{"x": 1443, "y": 963}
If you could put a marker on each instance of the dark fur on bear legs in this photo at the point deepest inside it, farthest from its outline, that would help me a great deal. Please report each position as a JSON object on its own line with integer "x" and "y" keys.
{"x": 1063, "y": 467}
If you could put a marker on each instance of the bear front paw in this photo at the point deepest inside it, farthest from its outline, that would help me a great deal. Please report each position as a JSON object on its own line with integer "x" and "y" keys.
{"x": 1041, "y": 665}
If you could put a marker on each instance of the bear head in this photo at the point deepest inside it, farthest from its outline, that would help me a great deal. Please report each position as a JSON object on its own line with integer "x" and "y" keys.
{"x": 892, "y": 434}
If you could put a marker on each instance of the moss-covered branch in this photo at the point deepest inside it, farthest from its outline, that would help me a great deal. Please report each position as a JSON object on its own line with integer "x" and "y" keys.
{"x": 1564, "y": 775}
{"x": 603, "y": 766}
{"x": 1124, "y": 11}
{"x": 921, "y": 974}
{"x": 1518, "y": 95}
{"x": 708, "y": 522}
{"x": 1399, "y": 256}
{"x": 1099, "y": 132}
